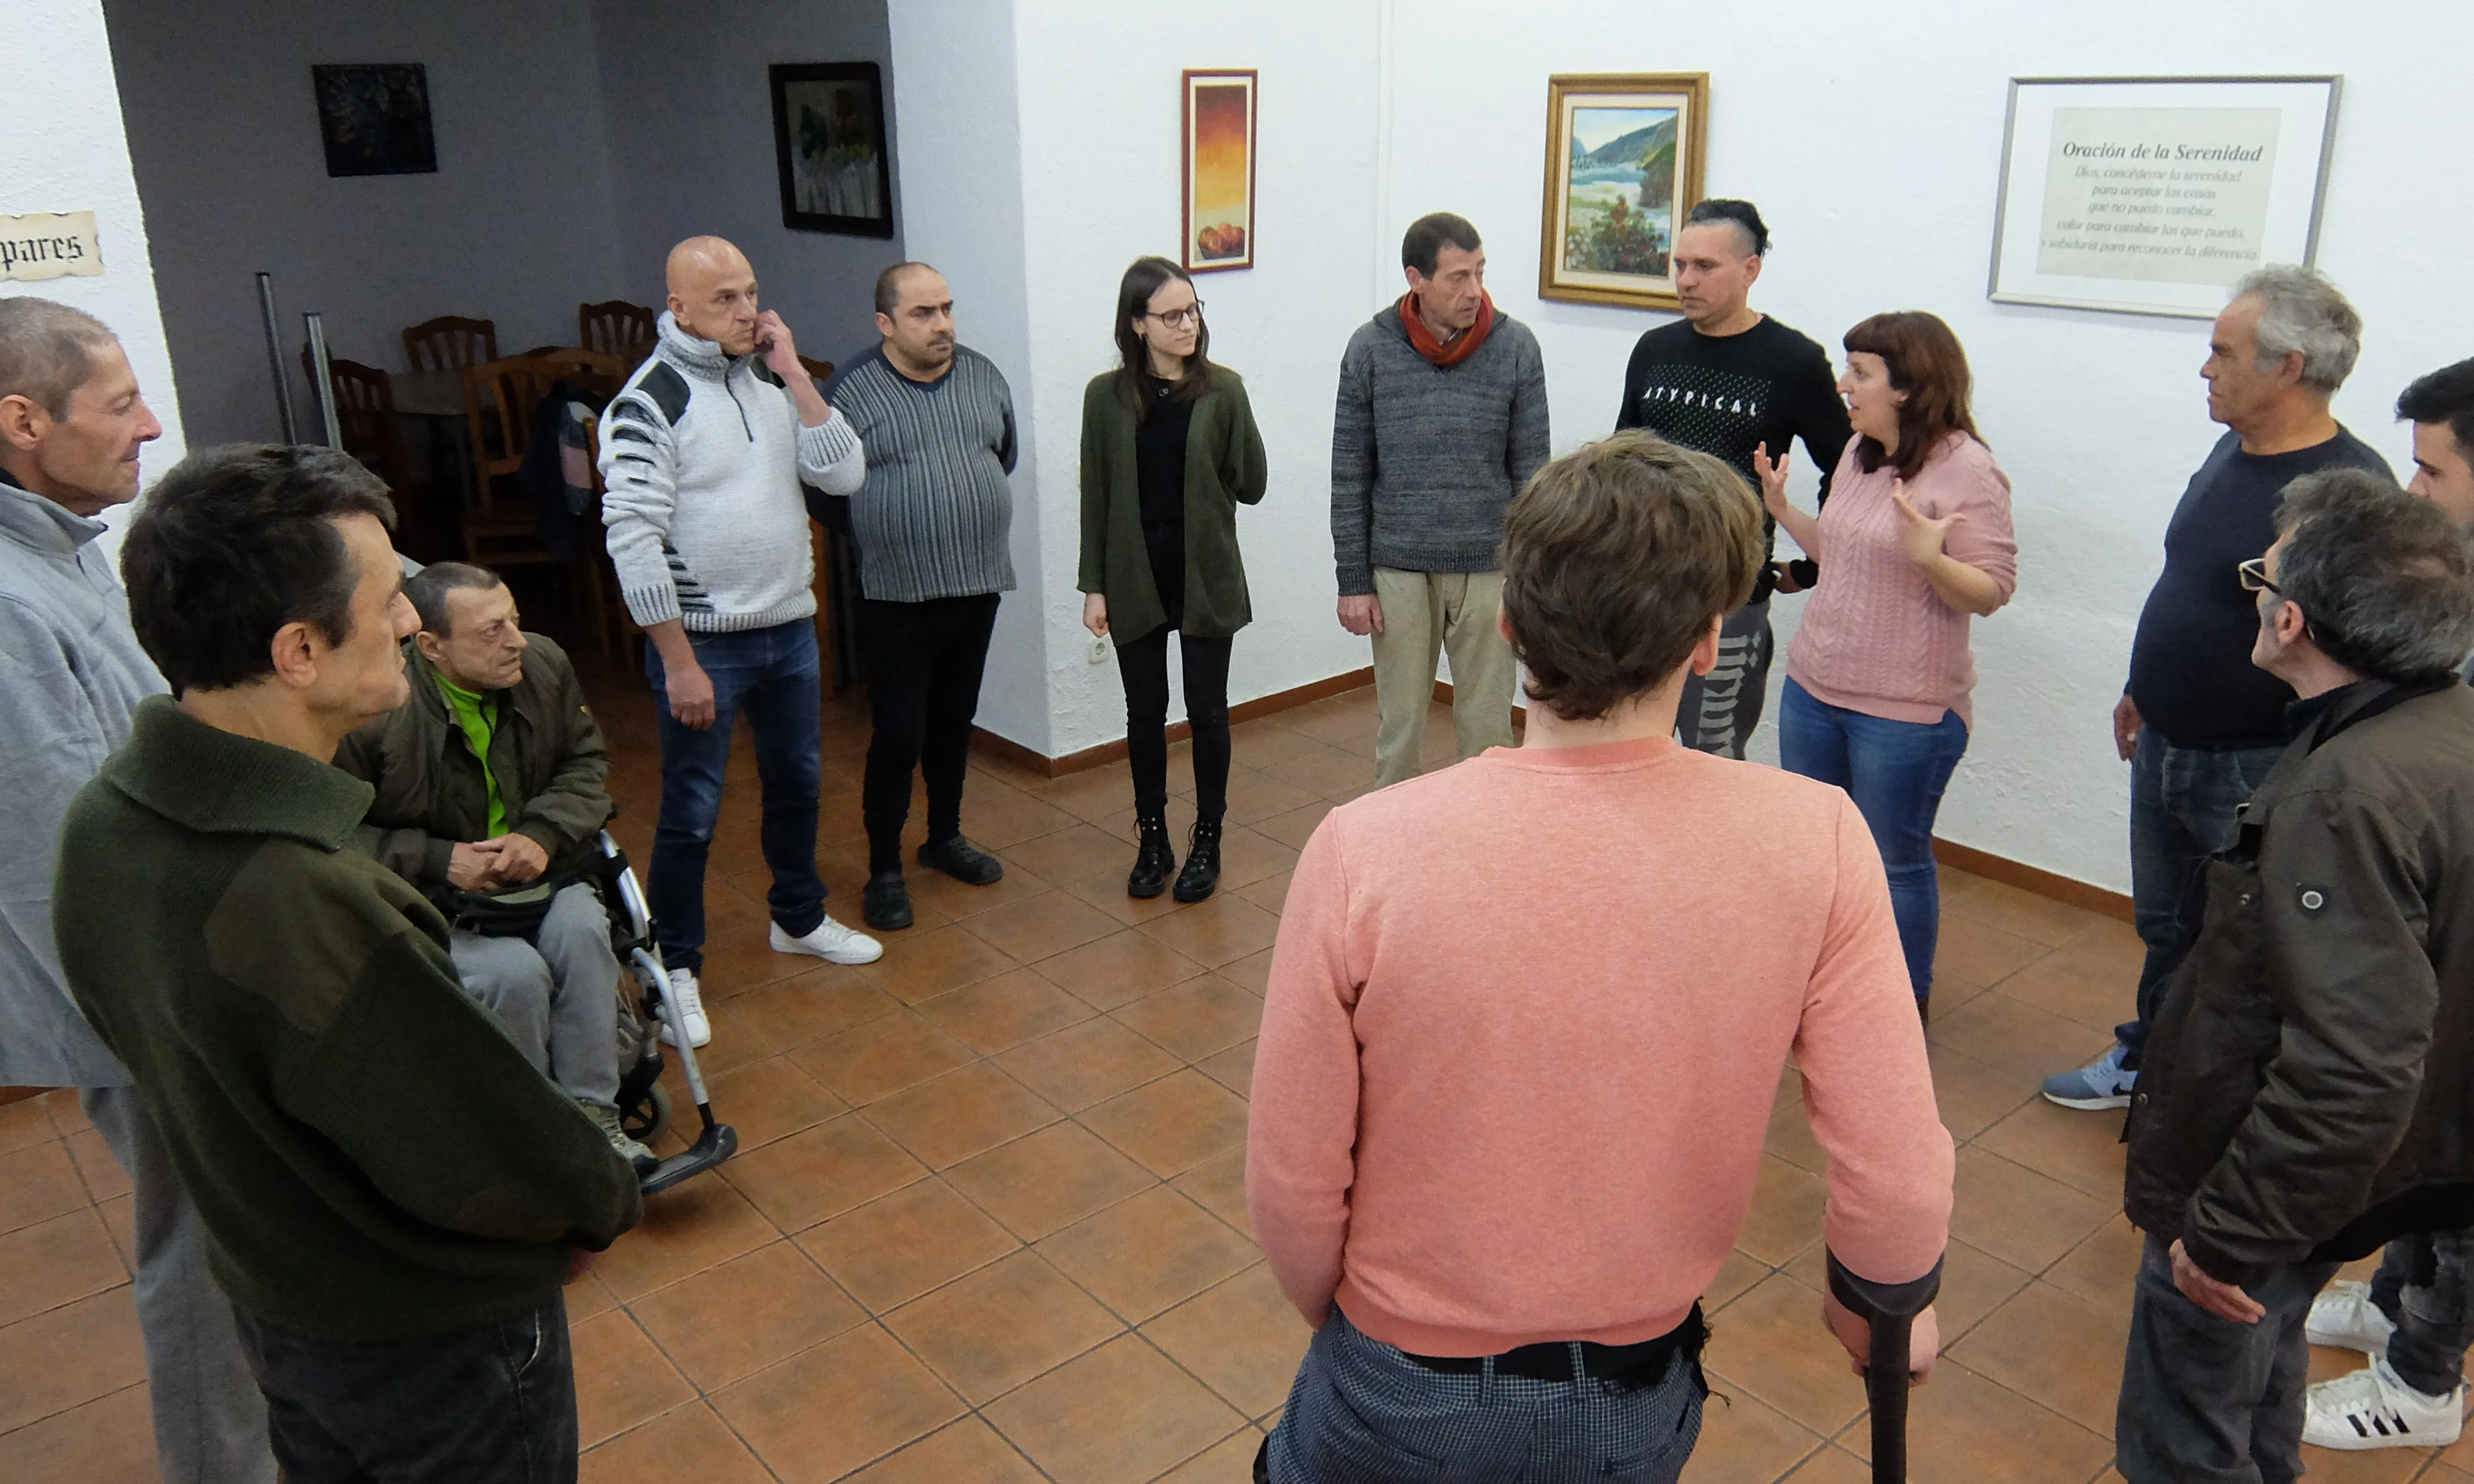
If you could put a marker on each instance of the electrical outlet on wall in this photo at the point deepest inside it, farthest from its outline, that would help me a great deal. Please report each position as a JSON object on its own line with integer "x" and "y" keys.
{"x": 1098, "y": 649}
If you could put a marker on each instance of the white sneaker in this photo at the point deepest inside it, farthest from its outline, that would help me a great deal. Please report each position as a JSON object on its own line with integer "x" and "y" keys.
{"x": 831, "y": 941}
{"x": 688, "y": 996}
{"x": 2343, "y": 1315}
{"x": 2373, "y": 1408}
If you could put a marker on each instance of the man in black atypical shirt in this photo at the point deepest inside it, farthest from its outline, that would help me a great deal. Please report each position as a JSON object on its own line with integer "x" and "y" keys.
{"x": 2199, "y": 724}
{"x": 1730, "y": 381}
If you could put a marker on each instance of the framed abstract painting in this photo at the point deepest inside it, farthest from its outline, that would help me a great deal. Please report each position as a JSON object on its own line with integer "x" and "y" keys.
{"x": 1219, "y": 171}
{"x": 828, "y": 146}
{"x": 1623, "y": 167}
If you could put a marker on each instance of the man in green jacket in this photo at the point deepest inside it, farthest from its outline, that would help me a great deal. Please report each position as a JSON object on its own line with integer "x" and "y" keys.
{"x": 392, "y": 1199}
{"x": 2305, "y": 1095}
{"x": 488, "y": 776}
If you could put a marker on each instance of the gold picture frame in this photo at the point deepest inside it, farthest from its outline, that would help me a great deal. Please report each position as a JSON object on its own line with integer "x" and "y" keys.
{"x": 1624, "y": 156}
{"x": 1219, "y": 169}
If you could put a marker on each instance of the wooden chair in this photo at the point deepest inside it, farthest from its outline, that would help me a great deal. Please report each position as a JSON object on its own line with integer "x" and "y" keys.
{"x": 503, "y": 528}
{"x": 365, "y": 410}
{"x": 618, "y": 327}
{"x": 450, "y": 343}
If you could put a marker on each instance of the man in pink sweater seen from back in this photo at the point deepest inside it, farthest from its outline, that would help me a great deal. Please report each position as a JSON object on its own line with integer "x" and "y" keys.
{"x": 1496, "y": 1170}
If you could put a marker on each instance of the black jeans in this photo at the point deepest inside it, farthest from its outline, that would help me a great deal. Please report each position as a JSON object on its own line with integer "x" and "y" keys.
{"x": 2206, "y": 1401}
{"x": 492, "y": 1405}
{"x": 2425, "y": 1286}
{"x": 923, "y": 687}
{"x": 1143, "y": 665}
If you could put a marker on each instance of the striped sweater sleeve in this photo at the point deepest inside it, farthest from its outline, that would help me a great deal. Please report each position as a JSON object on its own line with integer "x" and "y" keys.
{"x": 831, "y": 460}
{"x": 639, "y": 476}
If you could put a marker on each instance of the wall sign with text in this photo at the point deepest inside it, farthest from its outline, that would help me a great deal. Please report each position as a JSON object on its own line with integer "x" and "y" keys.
{"x": 49, "y": 244}
{"x": 2153, "y": 195}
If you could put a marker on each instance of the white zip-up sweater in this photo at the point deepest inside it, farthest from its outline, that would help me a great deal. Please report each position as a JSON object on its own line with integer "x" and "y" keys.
{"x": 703, "y": 456}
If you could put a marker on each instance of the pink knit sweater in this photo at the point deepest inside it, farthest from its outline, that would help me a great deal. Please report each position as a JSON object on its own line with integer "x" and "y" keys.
{"x": 1525, "y": 1023}
{"x": 1876, "y": 637}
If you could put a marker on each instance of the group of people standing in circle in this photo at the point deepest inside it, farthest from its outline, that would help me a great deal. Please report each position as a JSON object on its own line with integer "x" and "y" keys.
{"x": 1441, "y": 417}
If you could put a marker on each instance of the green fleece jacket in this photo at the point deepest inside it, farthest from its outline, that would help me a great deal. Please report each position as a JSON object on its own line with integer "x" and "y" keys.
{"x": 372, "y": 1159}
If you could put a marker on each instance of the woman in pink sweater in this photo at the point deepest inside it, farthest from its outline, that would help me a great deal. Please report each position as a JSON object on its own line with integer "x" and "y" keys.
{"x": 1915, "y": 540}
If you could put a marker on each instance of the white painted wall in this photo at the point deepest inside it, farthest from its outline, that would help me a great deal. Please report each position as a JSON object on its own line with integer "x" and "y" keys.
{"x": 691, "y": 123}
{"x": 1874, "y": 150}
{"x": 1102, "y": 110}
{"x": 958, "y": 134}
{"x": 67, "y": 153}
{"x": 515, "y": 227}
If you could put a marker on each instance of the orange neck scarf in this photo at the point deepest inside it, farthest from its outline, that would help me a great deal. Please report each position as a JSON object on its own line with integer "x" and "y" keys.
{"x": 1422, "y": 340}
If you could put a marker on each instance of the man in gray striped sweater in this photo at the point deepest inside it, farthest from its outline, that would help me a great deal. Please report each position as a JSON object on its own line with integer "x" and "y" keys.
{"x": 932, "y": 523}
{"x": 1441, "y": 419}
{"x": 704, "y": 452}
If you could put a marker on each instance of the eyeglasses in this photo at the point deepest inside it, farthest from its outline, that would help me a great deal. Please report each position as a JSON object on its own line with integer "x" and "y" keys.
{"x": 2253, "y": 576}
{"x": 1178, "y": 317}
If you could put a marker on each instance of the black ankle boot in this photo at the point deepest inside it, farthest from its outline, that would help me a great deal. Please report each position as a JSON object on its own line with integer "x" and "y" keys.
{"x": 1200, "y": 876}
{"x": 1151, "y": 867}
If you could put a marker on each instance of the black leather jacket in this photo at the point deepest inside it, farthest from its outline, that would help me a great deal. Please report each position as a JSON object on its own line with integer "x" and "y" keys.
{"x": 2305, "y": 1093}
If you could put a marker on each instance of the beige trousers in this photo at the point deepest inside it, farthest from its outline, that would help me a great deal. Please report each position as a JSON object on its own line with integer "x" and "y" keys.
{"x": 1425, "y": 614}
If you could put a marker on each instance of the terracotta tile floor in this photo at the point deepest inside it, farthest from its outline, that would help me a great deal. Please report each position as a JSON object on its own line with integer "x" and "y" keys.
{"x": 989, "y": 1221}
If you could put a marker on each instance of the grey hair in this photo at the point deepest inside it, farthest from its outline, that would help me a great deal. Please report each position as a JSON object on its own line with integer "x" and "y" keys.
{"x": 47, "y": 352}
{"x": 427, "y": 589}
{"x": 2386, "y": 580}
{"x": 2300, "y": 312}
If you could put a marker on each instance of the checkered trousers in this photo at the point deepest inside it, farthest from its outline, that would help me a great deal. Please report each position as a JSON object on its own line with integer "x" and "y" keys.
{"x": 1363, "y": 1413}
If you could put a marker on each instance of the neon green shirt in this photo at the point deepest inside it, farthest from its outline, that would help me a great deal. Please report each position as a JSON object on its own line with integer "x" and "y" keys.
{"x": 478, "y": 717}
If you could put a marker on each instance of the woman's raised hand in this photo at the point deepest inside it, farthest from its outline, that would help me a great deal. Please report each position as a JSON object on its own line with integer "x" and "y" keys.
{"x": 1922, "y": 535}
{"x": 1773, "y": 472}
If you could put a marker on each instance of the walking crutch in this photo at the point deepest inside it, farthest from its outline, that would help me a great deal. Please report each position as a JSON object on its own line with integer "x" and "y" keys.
{"x": 1891, "y": 1310}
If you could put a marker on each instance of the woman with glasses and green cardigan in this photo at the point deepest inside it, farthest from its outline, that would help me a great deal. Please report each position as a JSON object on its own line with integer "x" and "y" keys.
{"x": 1169, "y": 452}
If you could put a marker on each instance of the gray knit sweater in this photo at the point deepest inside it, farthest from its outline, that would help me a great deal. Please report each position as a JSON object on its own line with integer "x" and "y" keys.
{"x": 936, "y": 516}
{"x": 1425, "y": 459}
{"x": 703, "y": 457}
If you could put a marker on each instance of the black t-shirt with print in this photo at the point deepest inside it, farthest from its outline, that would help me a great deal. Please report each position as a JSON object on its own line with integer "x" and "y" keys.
{"x": 1728, "y": 395}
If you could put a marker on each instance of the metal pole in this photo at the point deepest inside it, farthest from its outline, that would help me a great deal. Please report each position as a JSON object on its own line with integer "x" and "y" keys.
{"x": 325, "y": 388}
{"x": 275, "y": 359}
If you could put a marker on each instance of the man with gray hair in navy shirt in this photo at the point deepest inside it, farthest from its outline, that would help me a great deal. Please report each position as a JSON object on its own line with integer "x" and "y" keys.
{"x": 2197, "y": 723}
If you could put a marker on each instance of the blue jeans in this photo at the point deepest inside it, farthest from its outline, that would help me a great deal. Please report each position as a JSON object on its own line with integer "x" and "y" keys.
{"x": 2183, "y": 800}
{"x": 1361, "y": 1412}
{"x": 1896, "y": 773}
{"x": 771, "y": 675}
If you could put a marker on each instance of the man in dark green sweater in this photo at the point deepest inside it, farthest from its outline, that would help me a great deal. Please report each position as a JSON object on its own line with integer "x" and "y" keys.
{"x": 392, "y": 1197}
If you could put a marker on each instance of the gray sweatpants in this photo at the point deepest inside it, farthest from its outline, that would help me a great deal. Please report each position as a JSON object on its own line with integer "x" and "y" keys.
{"x": 209, "y": 1419}
{"x": 557, "y": 994}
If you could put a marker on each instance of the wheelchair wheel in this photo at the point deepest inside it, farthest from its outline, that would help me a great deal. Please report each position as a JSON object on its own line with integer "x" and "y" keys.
{"x": 645, "y": 1121}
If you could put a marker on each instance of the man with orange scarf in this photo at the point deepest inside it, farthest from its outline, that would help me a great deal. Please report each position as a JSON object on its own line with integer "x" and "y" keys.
{"x": 1441, "y": 419}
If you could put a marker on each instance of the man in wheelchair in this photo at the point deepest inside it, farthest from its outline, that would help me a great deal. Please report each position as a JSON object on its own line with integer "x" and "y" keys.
{"x": 490, "y": 791}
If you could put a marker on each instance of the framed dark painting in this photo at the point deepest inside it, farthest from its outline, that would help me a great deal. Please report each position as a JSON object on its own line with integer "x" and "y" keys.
{"x": 829, "y": 141}
{"x": 373, "y": 119}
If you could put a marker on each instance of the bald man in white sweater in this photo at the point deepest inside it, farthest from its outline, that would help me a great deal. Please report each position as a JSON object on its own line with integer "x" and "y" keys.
{"x": 705, "y": 453}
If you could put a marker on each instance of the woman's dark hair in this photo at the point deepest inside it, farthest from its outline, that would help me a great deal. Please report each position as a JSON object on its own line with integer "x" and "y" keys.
{"x": 1144, "y": 278}
{"x": 1927, "y": 363}
{"x": 238, "y": 542}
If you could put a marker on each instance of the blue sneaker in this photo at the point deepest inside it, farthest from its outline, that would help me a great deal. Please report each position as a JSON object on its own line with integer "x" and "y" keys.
{"x": 2099, "y": 1085}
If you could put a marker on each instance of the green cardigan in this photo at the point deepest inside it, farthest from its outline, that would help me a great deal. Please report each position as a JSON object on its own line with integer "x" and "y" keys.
{"x": 1223, "y": 464}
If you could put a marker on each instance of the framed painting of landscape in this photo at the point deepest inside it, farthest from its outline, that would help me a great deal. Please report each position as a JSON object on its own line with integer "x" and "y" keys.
{"x": 1623, "y": 166}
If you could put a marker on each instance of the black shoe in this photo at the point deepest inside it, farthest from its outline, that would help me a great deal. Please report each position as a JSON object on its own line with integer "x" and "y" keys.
{"x": 1200, "y": 876}
{"x": 963, "y": 861}
{"x": 1149, "y": 875}
{"x": 885, "y": 903}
